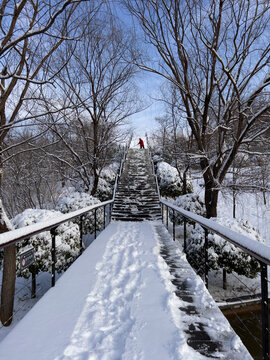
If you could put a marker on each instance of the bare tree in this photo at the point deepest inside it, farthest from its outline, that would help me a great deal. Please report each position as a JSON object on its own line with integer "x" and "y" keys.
{"x": 217, "y": 56}
{"x": 98, "y": 84}
{"x": 35, "y": 177}
{"x": 31, "y": 32}
{"x": 174, "y": 136}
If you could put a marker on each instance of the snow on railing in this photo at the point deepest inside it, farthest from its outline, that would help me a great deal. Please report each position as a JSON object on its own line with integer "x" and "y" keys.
{"x": 259, "y": 251}
{"x": 25, "y": 232}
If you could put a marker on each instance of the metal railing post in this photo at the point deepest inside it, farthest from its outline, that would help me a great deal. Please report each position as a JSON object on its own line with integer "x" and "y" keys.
{"x": 264, "y": 302}
{"x": 95, "y": 215}
{"x": 162, "y": 213}
{"x": 206, "y": 256}
{"x": 81, "y": 234}
{"x": 53, "y": 252}
{"x": 110, "y": 213}
{"x": 173, "y": 225}
{"x": 167, "y": 217}
{"x": 104, "y": 216}
{"x": 185, "y": 235}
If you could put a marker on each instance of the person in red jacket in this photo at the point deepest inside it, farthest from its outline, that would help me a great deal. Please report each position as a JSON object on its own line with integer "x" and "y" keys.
{"x": 141, "y": 143}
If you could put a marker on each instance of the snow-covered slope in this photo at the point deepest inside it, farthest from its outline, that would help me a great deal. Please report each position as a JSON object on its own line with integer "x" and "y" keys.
{"x": 115, "y": 302}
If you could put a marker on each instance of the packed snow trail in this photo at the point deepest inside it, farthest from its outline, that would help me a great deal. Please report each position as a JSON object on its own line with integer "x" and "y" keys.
{"x": 115, "y": 302}
{"x": 123, "y": 303}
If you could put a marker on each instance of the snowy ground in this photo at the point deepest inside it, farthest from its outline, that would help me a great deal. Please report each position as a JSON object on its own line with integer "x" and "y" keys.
{"x": 249, "y": 207}
{"x": 237, "y": 285}
{"x": 23, "y": 302}
{"x": 114, "y": 302}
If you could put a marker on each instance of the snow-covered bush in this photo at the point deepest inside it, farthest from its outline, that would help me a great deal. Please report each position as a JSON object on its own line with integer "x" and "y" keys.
{"x": 71, "y": 200}
{"x": 157, "y": 156}
{"x": 169, "y": 181}
{"x": 67, "y": 242}
{"x": 109, "y": 173}
{"x": 190, "y": 202}
{"x": 156, "y": 159}
{"x": 221, "y": 253}
{"x": 104, "y": 190}
{"x": 195, "y": 250}
{"x": 106, "y": 182}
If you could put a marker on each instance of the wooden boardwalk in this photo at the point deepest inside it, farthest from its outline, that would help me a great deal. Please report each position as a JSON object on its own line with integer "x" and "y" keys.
{"x": 130, "y": 295}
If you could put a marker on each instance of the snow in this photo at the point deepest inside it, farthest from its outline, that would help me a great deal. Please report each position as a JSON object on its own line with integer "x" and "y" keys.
{"x": 109, "y": 172}
{"x": 25, "y": 232}
{"x": 261, "y": 251}
{"x": 249, "y": 207}
{"x": 71, "y": 200}
{"x": 191, "y": 202}
{"x": 167, "y": 174}
{"x": 169, "y": 180}
{"x": 221, "y": 253}
{"x": 115, "y": 302}
{"x": 3, "y": 217}
{"x": 67, "y": 241}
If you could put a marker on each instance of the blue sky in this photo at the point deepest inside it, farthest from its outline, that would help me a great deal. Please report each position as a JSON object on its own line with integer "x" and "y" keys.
{"x": 148, "y": 83}
{"x": 148, "y": 88}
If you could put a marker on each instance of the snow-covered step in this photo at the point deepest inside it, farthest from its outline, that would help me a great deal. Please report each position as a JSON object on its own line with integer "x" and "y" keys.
{"x": 136, "y": 198}
{"x": 137, "y": 209}
{"x": 132, "y": 192}
{"x": 134, "y": 218}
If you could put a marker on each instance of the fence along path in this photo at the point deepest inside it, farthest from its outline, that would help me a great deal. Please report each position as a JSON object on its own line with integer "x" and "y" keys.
{"x": 131, "y": 292}
{"x": 130, "y": 295}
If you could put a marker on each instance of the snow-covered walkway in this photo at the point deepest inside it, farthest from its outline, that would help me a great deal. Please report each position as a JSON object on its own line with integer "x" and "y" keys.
{"x": 115, "y": 302}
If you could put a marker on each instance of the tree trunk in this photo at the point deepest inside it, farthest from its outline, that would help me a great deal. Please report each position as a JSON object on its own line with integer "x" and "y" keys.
{"x": 95, "y": 184}
{"x": 224, "y": 279}
{"x": 185, "y": 180}
{"x": 8, "y": 284}
{"x": 184, "y": 183}
{"x": 95, "y": 154}
{"x": 211, "y": 190}
{"x": 34, "y": 286}
{"x": 211, "y": 201}
{"x": 264, "y": 198}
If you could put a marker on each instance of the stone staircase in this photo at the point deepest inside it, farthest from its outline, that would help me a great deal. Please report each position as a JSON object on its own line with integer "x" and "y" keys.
{"x": 136, "y": 198}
